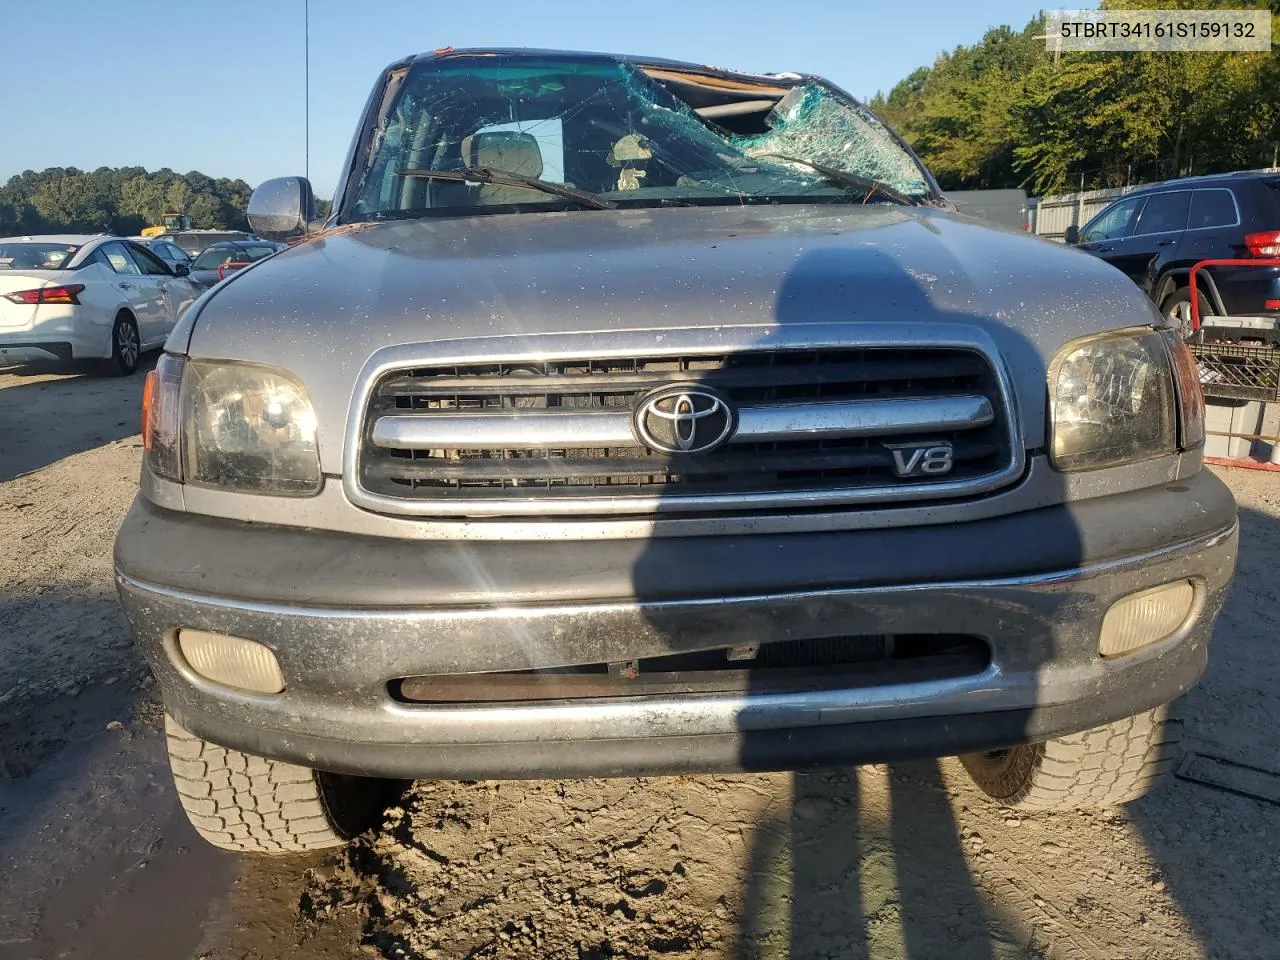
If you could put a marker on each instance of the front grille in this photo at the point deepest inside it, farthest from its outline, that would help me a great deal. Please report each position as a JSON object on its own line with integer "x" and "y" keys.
{"x": 785, "y": 666}
{"x": 580, "y": 391}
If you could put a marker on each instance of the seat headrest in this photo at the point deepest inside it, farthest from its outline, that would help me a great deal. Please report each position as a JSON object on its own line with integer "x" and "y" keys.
{"x": 507, "y": 150}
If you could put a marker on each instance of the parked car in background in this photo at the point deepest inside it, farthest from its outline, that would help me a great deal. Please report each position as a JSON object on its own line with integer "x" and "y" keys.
{"x": 165, "y": 249}
{"x": 681, "y": 429}
{"x": 216, "y": 261}
{"x": 195, "y": 241}
{"x": 74, "y": 297}
{"x": 1156, "y": 234}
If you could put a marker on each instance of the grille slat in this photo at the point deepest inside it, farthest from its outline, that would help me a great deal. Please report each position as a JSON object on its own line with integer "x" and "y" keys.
{"x": 535, "y": 464}
{"x": 616, "y": 464}
{"x": 810, "y": 375}
{"x": 555, "y": 428}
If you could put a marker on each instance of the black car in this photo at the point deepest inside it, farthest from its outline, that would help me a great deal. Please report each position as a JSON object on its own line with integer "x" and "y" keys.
{"x": 220, "y": 259}
{"x": 193, "y": 242}
{"x": 1157, "y": 233}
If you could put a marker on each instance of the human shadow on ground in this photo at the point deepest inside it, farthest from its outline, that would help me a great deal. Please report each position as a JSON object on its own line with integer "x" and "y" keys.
{"x": 852, "y": 876}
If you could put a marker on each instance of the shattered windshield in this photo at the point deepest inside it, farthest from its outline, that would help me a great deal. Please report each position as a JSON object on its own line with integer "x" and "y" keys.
{"x": 626, "y": 135}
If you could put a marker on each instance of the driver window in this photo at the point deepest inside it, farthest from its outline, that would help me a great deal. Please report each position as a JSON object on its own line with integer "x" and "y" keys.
{"x": 149, "y": 263}
{"x": 1115, "y": 223}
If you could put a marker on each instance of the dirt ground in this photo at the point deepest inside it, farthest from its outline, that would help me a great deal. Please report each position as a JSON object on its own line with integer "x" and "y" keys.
{"x": 97, "y": 861}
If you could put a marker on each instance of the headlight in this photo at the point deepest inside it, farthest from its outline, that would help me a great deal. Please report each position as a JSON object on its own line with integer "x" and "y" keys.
{"x": 248, "y": 427}
{"x": 1112, "y": 400}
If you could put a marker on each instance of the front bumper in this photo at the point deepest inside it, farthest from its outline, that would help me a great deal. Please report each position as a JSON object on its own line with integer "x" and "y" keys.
{"x": 1037, "y": 588}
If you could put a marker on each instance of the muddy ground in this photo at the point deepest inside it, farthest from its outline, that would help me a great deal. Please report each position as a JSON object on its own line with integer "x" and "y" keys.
{"x": 97, "y": 861}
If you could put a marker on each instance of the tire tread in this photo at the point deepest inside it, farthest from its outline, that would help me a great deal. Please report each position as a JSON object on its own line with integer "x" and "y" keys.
{"x": 1103, "y": 767}
{"x": 248, "y": 804}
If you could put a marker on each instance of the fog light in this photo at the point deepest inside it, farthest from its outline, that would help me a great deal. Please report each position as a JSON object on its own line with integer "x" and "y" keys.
{"x": 1143, "y": 618}
{"x": 232, "y": 661}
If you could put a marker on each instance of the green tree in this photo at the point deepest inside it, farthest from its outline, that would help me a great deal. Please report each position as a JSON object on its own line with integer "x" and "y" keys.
{"x": 122, "y": 199}
{"x": 19, "y": 219}
{"x": 71, "y": 199}
{"x": 206, "y": 212}
{"x": 178, "y": 197}
{"x": 142, "y": 196}
{"x": 1005, "y": 113}
{"x": 959, "y": 113}
{"x": 198, "y": 182}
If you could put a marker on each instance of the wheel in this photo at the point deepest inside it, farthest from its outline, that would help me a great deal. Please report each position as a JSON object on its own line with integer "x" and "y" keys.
{"x": 1103, "y": 767}
{"x": 126, "y": 347}
{"x": 249, "y": 804}
{"x": 1177, "y": 309}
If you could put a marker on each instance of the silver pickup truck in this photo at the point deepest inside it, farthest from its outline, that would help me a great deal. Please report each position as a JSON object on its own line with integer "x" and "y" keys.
{"x": 636, "y": 417}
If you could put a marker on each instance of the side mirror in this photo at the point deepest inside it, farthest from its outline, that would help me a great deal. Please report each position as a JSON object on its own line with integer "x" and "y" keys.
{"x": 281, "y": 209}
{"x": 181, "y": 270}
{"x": 1072, "y": 235}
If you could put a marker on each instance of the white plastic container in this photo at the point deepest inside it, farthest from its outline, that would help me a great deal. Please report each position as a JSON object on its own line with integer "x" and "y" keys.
{"x": 1235, "y": 417}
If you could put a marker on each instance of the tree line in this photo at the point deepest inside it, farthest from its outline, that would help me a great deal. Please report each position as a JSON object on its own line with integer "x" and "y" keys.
{"x": 119, "y": 200}
{"x": 1007, "y": 112}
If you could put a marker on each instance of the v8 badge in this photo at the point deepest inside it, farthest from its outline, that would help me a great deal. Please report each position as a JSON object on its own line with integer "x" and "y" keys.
{"x": 931, "y": 459}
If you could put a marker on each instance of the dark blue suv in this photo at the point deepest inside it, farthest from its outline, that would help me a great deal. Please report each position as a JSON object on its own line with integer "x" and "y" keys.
{"x": 1157, "y": 233}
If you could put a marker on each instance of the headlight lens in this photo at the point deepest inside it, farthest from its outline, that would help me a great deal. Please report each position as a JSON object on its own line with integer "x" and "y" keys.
{"x": 1112, "y": 401}
{"x": 248, "y": 427}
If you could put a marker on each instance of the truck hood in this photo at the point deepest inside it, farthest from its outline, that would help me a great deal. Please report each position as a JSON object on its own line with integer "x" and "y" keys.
{"x": 322, "y": 308}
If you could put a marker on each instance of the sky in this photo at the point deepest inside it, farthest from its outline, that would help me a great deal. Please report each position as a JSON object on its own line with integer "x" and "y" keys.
{"x": 219, "y": 86}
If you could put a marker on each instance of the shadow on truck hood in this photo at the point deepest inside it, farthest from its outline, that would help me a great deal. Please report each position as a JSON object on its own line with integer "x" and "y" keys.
{"x": 322, "y": 308}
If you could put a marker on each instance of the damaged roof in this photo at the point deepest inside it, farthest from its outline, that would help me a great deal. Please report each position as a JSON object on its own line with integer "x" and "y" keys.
{"x": 581, "y": 55}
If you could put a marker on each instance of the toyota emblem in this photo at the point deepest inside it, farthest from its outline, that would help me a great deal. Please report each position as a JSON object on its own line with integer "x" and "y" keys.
{"x": 684, "y": 418}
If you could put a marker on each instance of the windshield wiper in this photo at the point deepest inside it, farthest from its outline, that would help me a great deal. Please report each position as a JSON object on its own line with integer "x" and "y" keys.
{"x": 508, "y": 179}
{"x": 845, "y": 179}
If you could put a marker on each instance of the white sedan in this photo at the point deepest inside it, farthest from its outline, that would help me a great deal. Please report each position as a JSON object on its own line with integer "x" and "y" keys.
{"x": 73, "y": 297}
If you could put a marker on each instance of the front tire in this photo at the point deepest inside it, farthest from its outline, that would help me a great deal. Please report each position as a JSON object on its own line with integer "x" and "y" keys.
{"x": 1103, "y": 767}
{"x": 1176, "y": 309}
{"x": 126, "y": 347}
{"x": 253, "y": 805}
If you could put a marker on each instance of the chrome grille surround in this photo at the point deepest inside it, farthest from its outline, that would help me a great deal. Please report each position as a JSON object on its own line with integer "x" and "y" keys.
{"x": 577, "y": 432}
